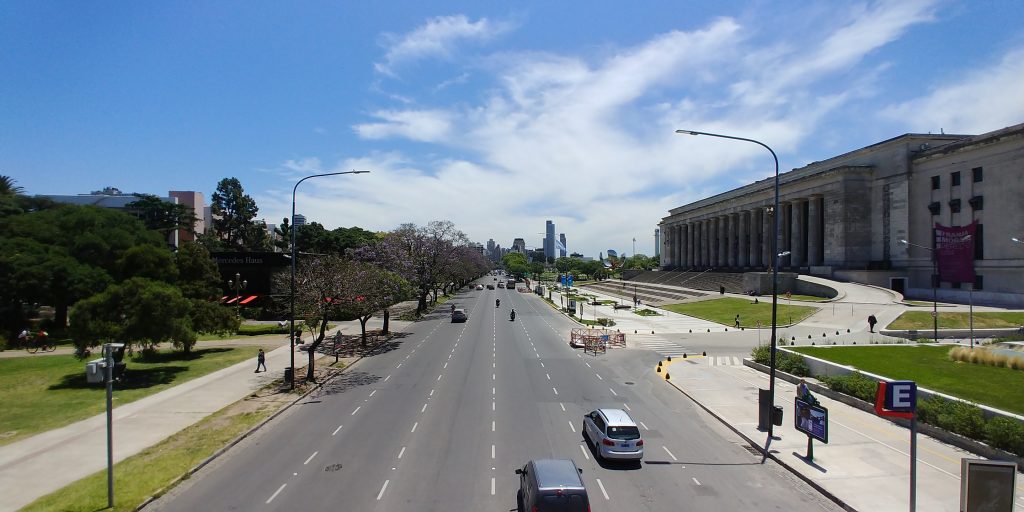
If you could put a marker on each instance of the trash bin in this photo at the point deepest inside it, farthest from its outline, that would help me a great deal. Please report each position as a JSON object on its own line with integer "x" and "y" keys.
{"x": 288, "y": 375}
{"x": 764, "y": 399}
{"x": 777, "y": 416}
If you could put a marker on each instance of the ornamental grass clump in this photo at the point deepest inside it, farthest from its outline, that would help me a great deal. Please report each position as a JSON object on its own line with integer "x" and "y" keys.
{"x": 987, "y": 357}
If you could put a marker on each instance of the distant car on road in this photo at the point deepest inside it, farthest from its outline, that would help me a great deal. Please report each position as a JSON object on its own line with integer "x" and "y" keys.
{"x": 459, "y": 315}
{"x": 479, "y": 287}
{"x": 490, "y": 287}
{"x": 501, "y": 285}
{"x": 614, "y": 434}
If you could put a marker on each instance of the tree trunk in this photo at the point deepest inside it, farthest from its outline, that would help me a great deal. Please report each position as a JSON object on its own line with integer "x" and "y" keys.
{"x": 362, "y": 325}
{"x": 387, "y": 315}
{"x": 311, "y": 352}
{"x": 60, "y": 316}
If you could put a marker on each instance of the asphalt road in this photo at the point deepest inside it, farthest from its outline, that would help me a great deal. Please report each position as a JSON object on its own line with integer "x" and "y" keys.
{"x": 441, "y": 421}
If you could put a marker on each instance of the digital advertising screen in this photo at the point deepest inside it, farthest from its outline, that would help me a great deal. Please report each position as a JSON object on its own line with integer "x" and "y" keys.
{"x": 811, "y": 420}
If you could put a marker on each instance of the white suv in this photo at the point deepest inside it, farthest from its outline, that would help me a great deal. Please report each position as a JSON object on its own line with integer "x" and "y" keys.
{"x": 614, "y": 434}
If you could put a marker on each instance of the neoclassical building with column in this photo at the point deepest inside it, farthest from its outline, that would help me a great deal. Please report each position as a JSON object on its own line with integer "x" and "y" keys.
{"x": 845, "y": 217}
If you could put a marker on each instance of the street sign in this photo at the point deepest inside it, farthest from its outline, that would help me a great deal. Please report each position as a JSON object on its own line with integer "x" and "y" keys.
{"x": 899, "y": 399}
{"x": 901, "y": 396}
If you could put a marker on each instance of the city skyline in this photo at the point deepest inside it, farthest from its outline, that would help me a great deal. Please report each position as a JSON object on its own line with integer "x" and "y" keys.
{"x": 461, "y": 111}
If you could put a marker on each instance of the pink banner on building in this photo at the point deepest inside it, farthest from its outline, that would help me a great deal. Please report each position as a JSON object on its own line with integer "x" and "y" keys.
{"x": 954, "y": 251}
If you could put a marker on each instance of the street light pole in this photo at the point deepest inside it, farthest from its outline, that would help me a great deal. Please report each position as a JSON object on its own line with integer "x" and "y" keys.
{"x": 775, "y": 279}
{"x": 291, "y": 333}
{"x": 238, "y": 284}
{"x": 935, "y": 292}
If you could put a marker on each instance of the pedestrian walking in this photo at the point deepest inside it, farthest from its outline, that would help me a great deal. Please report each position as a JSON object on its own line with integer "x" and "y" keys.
{"x": 261, "y": 360}
{"x": 871, "y": 323}
{"x": 737, "y": 321}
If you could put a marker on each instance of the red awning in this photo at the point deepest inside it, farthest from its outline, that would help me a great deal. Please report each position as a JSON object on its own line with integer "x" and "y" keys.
{"x": 232, "y": 300}
{"x": 249, "y": 299}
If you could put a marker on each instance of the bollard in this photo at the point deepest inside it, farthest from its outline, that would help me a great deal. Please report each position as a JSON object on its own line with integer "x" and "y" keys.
{"x": 709, "y": 330}
{"x": 704, "y": 353}
{"x": 684, "y": 355}
{"x": 666, "y": 376}
{"x": 659, "y": 364}
{"x": 634, "y": 331}
{"x": 808, "y": 336}
{"x": 691, "y": 331}
{"x": 822, "y": 335}
{"x": 812, "y": 343}
{"x": 793, "y": 338}
{"x": 669, "y": 358}
{"x": 652, "y": 332}
{"x": 847, "y": 331}
{"x": 659, "y": 368}
{"x": 837, "y": 333}
{"x": 855, "y": 343}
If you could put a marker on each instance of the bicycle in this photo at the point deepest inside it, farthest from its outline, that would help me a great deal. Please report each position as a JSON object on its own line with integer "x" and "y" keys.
{"x": 37, "y": 342}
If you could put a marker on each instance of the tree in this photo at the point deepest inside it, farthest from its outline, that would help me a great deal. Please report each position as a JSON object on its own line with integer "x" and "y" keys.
{"x": 283, "y": 236}
{"x": 198, "y": 277}
{"x": 372, "y": 289}
{"x": 149, "y": 262}
{"x": 138, "y": 311}
{"x": 536, "y": 269}
{"x": 162, "y": 216}
{"x": 515, "y": 264}
{"x": 233, "y": 214}
{"x": 320, "y": 289}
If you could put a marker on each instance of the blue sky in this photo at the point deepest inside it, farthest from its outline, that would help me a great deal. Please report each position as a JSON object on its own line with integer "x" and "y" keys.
{"x": 497, "y": 116}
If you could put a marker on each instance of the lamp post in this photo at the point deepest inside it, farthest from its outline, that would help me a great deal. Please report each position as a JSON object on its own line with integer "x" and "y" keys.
{"x": 935, "y": 292}
{"x": 291, "y": 333}
{"x": 238, "y": 284}
{"x": 775, "y": 279}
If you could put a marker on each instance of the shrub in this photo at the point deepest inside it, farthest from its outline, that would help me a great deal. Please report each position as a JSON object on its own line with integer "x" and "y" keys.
{"x": 792, "y": 364}
{"x": 1006, "y": 434}
{"x": 761, "y": 354}
{"x": 854, "y": 384}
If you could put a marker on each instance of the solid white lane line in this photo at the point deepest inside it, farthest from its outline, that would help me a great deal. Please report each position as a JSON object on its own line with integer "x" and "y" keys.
{"x": 584, "y": 450}
{"x": 381, "y": 493}
{"x": 355, "y": 411}
{"x": 599, "y": 484}
{"x": 424, "y": 408}
{"x": 414, "y": 427}
{"x": 573, "y": 427}
{"x": 644, "y": 426}
{"x": 562, "y": 405}
{"x": 613, "y": 391}
{"x": 337, "y": 429}
{"x": 669, "y": 453}
{"x": 401, "y": 452}
{"x": 310, "y": 458}
{"x": 555, "y": 390}
{"x": 696, "y": 481}
{"x": 374, "y": 392}
{"x": 627, "y": 407}
{"x": 492, "y": 486}
{"x": 278, "y": 491}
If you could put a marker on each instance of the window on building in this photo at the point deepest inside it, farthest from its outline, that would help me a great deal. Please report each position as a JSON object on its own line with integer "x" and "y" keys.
{"x": 979, "y": 282}
{"x": 979, "y": 242}
{"x": 954, "y": 205}
{"x": 955, "y": 179}
{"x": 935, "y": 182}
{"x": 976, "y": 174}
{"x": 935, "y": 207}
{"x": 977, "y": 203}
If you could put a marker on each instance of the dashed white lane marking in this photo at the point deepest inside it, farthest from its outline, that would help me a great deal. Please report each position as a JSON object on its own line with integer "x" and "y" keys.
{"x": 613, "y": 391}
{"x": 588, "y": 365}
{"x": 492, "y": 451}
{"x": 562, "y": 406}
{"x": 494, "y": 391}
{"x": 627, "y": 407}
{"x": 374, "y": 392}
{"x": 401, "y": 453}
{"x": 414, "y": 427}
{"x": 573, "y": 427}
{"x": 492, "y": 426}
{"x": 644, "y": 426}
{"x": 584, "y": 450}
{"x": 431, "y": 393}
{"x": 494, "y": 376}
{"x": 549, "y": 375}
{"x": 604, "y": 492}
{"x": 446, "y": 365}
{"x": 696, "y": 481}
{"x": 555, "y": 390}
{"x": 386, "y": 378}
{"x": 381, "y": 493}
{"x": 278, "y": 491}
{"x": 424, "y": 408}
{"x": 492, "y": 486}
{"x": 337, "y": 429}
{"x": 599, "y": 376}
{"x": 669, "y": 453}
{"x": 542, "y": 365}
{"x": 492, "y": 406}
{"x": 399, "y": 366}
{"x": 439, "y": 377}
{"x": 494, "y": 365}
{"x": 310, "y": 458}
{"x": 355, "y": 411}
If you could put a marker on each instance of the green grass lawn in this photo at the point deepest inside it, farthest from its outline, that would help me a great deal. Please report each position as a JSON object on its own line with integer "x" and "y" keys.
{"x": 930, "y": 368}
{"x": 724, "y": 311}
{"x": 46, "y": 392}
{"x": 958, "y": 320}
{"x": 805, "y": 298}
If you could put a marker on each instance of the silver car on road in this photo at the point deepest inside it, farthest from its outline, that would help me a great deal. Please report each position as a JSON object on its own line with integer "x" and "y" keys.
{"x": 614, "y": 434}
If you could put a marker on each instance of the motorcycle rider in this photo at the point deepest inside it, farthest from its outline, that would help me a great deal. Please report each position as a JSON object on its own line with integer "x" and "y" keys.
{"x": 512, "y": 315}
{"x": 497, "y": 303}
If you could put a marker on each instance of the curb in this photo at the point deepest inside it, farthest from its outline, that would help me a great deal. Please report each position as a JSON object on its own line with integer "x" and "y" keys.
{"x": 824, "y": 492}
{"x": 222, "y": 450}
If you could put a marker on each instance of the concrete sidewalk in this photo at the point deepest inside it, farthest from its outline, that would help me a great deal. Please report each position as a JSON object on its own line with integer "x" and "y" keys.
{"x": 79, "y": 449}
{"x": 866, "y": 463}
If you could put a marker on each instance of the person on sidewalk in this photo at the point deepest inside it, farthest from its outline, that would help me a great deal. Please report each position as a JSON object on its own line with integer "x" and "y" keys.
{"x": 803, "y": 393}
{"x": 737, "y": 321}
{"x": 261, "y": 360}
{"x": 871, "y": 323}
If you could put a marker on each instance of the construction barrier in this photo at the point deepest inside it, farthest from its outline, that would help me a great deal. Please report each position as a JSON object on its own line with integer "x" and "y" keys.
{"x": 596, "y": 340}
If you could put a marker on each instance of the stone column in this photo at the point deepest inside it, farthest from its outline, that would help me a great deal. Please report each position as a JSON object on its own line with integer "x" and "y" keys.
{"x": 705, "y": 242}
{"x": 689, "y": 244}
{"x": 743, "y": 251}
{"x": 785, "y": 224}
{"x": 767, "y": 225}
{"x": 797, "y": 240}
{"x": 814, "y": 241}
{"x": 732, "y": 227}
{"x": 682, "y": 245}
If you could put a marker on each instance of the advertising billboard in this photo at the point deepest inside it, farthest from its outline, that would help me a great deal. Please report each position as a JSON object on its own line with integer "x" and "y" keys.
{"x": 811, "y": 419}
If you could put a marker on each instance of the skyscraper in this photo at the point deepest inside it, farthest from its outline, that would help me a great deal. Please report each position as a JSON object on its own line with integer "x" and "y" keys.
{"x": 561, "y": 246}
{"x": 549, "y": 240}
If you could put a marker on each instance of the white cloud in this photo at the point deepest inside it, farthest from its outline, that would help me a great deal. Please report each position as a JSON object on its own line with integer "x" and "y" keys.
{"x": 588, "y": 141}
{"x": 437, "y": 38}
{"x": 983, "y": 100}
